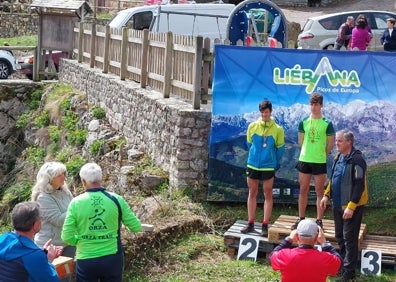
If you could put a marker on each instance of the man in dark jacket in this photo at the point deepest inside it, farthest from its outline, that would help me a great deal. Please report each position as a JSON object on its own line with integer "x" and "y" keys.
{"x": 20, "y": 258}
{"x": 388, "y": 39}
{"x": 348, "y": 191}
{"x": 344, "y": 34}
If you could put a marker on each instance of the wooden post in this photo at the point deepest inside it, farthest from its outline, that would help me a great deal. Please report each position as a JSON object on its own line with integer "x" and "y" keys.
{"x": 168, "y": 64}
{"x": 35, "y": 65}
{"x": 106, "y": 58}
{"x": 197, "y": 73}
{"x": 124, "y": 55}
{"x": 144, "y": 59}
{"x": 80, "y": 42}
{"x": 207, "y": 60}
{"x": 93, "y": 46}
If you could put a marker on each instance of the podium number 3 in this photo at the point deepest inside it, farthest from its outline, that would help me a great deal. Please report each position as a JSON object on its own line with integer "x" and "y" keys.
{"x": 371, "y": 262}
{"x": 248, "y": 248}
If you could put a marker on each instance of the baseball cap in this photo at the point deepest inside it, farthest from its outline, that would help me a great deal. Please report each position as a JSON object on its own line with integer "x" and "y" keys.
{"x": 307, "y": 228}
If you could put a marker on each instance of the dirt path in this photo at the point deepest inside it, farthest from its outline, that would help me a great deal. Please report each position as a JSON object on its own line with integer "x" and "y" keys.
{"x": 300, "y": 15}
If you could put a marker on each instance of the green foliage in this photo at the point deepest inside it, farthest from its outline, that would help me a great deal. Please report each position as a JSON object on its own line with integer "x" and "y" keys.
{"x": 54, "y": 133}
{"x": 120, "y": 142}
{"x": 26, "y": 40}
{"x": 16, "y": 193}
{"x": 35, "y": 155}
{"x": 65, "y": 105}
{"x": 104, "y": 16}
{"x": 42, "y": 120}
{"x": 23, "y": 120}
{"x": 63, "y": 155}
{"x": 35, "y": 99}
{"x": 70, "y": 120}
{"x": 98, "y": 113}
{"x": 96, "y": 147}
{"x": 74, "y": 165}
{"x": 163, "y": 188}
{"x": 77, "y": 137}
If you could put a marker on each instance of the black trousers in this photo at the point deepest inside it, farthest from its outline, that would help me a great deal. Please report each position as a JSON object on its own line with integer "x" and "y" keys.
{"x": 347, "y": 236}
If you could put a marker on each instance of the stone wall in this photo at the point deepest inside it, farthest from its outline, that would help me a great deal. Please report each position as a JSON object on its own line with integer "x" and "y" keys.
{"x": 173, "y": 134}
{"x": 13, "y": 25}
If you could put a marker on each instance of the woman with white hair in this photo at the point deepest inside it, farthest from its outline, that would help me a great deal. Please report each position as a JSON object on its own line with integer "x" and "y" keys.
{"x": 54, "y": 197}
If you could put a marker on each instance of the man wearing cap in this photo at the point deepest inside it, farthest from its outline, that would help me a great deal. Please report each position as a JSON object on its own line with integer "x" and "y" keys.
{"x": 348, "y": 191}
{"x": 344, "y": 33}
{"x": 388, "y": 38}
{"x": 305, "y": 262}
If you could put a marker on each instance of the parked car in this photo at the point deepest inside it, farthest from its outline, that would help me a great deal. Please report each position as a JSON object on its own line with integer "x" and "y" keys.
{"x": 320, "y": 32}
{"x": 7, "y": 64}
{"x": 207, "y": 20}
{"x": 26, "y": 62}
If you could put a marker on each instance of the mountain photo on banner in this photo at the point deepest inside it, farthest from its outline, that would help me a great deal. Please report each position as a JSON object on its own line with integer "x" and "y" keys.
{"x": 359, "y": 94}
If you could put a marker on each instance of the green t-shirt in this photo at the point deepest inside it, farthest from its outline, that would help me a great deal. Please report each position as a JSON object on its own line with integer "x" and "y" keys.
{"x": 316, "y": 131}
{"x": 91, "y": 224}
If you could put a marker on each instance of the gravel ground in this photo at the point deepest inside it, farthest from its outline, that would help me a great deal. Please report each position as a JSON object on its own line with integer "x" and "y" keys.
{"x": 300, "y": 15}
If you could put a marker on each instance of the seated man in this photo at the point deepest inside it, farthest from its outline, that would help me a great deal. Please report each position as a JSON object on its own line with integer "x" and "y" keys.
{"x": 20, "y": 258}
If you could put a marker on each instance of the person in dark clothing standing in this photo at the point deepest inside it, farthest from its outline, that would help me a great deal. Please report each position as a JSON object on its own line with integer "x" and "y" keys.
{"x": 348, "y": 191}
{"x": 388, "y": 39}
{"x": 344, "y": 34}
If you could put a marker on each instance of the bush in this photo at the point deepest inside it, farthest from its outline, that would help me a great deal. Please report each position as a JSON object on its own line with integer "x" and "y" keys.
{"x": 54, "y": 133}
{"x": 23, "y": 120}
{"x": 35, "y": 99}
{"x": 74, "y": 165}
{"x": 96, "y": 147}
{"x": 42, "y": 120}
{"x": 77, "y": 137}
{"x": 98, "y": 113}
{"x": 70, "y": 120}
{"x": 35, "y": 155}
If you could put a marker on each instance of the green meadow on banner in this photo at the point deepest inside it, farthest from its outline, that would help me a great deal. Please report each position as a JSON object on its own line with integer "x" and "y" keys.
{"x": 359, "y": 94}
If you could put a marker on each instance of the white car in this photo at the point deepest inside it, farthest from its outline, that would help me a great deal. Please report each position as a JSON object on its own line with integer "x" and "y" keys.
{"x": 7, "y": 64}
{"x": 320, "y": 32}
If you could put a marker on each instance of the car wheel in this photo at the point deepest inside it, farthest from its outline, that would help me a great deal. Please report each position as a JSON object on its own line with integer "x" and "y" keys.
{"x": 329, "y": 47}
{"x": 4, "y": 69}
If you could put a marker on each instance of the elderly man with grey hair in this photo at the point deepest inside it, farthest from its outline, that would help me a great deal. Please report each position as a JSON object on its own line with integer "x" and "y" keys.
{"x": 92, "y": 224}
{"x": 304, "y": 262}
{"x": 348, "y": 192}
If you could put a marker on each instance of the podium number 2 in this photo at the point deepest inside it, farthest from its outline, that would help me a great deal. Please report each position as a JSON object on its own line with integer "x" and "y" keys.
{"x": 371, "y": 262}
{"x": 248, "y": 248}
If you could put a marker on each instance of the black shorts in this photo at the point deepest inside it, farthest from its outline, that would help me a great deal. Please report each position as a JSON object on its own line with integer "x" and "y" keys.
{"x": 311, "y": 168}
{"x": 259, "y": 174}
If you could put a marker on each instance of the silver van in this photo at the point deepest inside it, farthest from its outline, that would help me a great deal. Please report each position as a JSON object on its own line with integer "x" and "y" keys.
{"x": 207, "y": 20}
{"x": 320, "y": 32}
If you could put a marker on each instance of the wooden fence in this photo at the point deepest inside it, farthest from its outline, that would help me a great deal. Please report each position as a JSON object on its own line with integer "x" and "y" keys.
{"x": 176, "y": 65}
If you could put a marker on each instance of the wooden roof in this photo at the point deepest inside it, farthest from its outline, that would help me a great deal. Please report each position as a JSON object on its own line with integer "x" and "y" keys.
{"x": 69, "y": 5}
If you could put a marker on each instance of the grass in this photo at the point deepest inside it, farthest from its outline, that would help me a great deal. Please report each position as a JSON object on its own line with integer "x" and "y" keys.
{"x": 27, "y": 40}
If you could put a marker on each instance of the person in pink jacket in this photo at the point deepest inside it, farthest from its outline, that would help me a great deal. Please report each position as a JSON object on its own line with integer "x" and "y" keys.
{"x": 360, "y": 36}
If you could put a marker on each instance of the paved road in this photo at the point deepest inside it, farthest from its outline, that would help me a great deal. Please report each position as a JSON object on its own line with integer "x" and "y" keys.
{"x": 300, "y": 15}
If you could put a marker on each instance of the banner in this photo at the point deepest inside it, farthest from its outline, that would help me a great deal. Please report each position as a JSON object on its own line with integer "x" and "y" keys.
{"x": 359, "y": 94}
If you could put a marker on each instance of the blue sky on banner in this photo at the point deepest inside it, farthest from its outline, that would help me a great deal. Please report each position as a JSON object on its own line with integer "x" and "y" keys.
{"x": 243, "y": 76}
